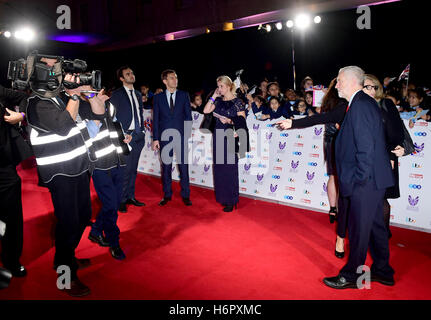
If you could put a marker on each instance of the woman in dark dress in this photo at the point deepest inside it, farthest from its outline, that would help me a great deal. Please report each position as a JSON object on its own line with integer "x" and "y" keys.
{"x": 333, "y": 112}
{"x": 394, "y": 133}
{"x": 225, "y": 107}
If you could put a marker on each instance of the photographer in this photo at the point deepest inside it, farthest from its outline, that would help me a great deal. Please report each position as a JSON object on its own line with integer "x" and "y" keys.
{"x": 65, "y": 158}
{"x": 13, "y": 150}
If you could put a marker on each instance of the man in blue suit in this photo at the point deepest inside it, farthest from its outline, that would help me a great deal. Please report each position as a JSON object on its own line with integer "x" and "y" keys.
{"x": 364, "y": 173}
{"x": 172, "y": 118}
{"x": 128, "y": 103}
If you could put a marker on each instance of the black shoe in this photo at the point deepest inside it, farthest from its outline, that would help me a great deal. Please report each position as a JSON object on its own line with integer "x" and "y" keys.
{"x": 117, "y": 253}
{"x": 229, "y": 208}
{"x": 187, "y": 201}
{"x": 135, "y": 202}
{"x": 123, "y": 207}
{"x": 339, "y": 254}
{"x": 100, "y": 240}
{"x": 333, "y": 217}
{"x": 77, "y": 289}
{"x": 18, "y": 271}
{"x": 164, "y": 201}
{"x": 339, "y": 282}
{"x": 382, "y": 280}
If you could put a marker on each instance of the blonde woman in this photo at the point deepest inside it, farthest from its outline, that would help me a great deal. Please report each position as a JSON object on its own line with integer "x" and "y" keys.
{"x": 227, "y": 110}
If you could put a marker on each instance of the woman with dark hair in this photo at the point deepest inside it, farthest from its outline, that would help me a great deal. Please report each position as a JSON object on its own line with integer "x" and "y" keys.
{"x": 196, "y": 103}
{"x": 333, "y": 111}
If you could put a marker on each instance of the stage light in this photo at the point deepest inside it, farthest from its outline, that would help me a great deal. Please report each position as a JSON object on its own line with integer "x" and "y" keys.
{"x": 302, "y": 21}
{"x": 279, "y": 25}
{"x": 25, "y": 34}
{"x": 7, "y": 34}
{"x": 289, "y": 24}
{"x": 268, "y": 28}
{"x": 317, "y": 19}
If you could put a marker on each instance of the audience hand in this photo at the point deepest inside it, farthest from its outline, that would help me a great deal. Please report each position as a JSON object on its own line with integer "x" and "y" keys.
{"x": 13, "y": 117}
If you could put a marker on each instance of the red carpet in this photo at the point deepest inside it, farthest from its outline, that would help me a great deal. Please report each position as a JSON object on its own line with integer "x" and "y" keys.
{"x": 260, "y": 251}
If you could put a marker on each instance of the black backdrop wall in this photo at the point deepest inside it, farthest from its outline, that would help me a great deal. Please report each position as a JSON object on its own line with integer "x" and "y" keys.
{"x": 398, "y": 36}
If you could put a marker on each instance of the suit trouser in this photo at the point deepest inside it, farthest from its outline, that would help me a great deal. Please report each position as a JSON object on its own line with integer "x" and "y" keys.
{"x": 367, "y": 230}
{"x": 11, "y": 215}
{"x": 108, "y": 185}
{"x": 72, "y": 208}
{"x": 181, "y": 153}
{"x": 131, "y": 170}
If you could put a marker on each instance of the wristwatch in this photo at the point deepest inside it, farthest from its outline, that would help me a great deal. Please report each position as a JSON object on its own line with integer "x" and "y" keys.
{"x": 74, "y": 97}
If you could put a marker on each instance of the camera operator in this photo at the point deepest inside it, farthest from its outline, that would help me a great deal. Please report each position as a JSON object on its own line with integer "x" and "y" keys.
{"x": 13, "y": 150}
{"x": 65, "y": 158}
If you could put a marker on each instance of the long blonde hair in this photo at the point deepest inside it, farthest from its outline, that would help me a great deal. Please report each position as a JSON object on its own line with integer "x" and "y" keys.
{"x": 228, "y": 82}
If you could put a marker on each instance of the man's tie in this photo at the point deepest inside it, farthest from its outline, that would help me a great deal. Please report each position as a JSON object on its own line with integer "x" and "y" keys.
{"x": 135, "y": 114}
{"x": 171, "y": 103}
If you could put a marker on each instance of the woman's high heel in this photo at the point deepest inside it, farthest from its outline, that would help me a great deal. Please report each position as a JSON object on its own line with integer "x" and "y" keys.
{"x": 229, "y": 208}
{"x": 333, "y": 217}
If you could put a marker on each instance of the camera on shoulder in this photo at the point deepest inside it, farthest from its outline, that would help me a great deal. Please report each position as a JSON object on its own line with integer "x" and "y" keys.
{"x": 36, "y": 74}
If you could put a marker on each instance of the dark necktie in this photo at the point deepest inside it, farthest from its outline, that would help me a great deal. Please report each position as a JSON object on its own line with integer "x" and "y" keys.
{"x": 135, "y": 113}
{"x": 171, "y": 103}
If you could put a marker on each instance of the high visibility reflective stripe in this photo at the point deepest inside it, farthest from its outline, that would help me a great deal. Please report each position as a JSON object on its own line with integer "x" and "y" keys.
{"x": 101, "y": 135}
{"x": 81, "y": 125}
{"x": 111, "y": 109}
{"x": 119, "y": 150}
{"x": 113, "y": 134}
{"x": 105, "y": 151}
{"x": 61, "y": 157}
{"x": 36, "y": 140}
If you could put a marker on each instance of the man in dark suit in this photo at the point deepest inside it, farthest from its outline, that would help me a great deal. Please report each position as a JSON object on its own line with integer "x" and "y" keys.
{"x": 364, "y": 173}
{"x": 13, "y": 150}
{"x": 128, "y": 103}
{"x": 171, "y": 129}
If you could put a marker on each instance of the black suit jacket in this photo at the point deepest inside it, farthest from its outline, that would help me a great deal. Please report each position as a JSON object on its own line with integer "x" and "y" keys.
{"x": 360, "y": 148}
{"x": 164, "y": 118}
{"x": 124, "y": 112}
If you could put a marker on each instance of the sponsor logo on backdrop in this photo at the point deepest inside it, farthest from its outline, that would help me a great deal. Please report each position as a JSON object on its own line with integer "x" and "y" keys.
{"x": 323, "y": 204}
{"x": 149, "y": 145}
{"x": 421, "y": 124}
{"x": 416, "y": 176}
{"x": 243, "y": 181}
{"x": 291, "y": 180}
{"x": 310, "y": 177}
{"x": 278, "y": 168}
{"x": 299, "y": 136}
{"x": 307, "y": 201}
{"x": 275, "y": 176}
{"x": 314, "y": 155}
{"x": 268, "y": 136}
{"x": 413, "y": 202}
{"x": 150, "y": 170}
{"x": 297, "y": 153}
{"x": 259, "y": 179}
{"x": 256, "y": 191}
{"x": 192, "y": 179}
{"x": 287, "y": 197}
{"x": 410, "y": 220}
{"x": 195, "y": 117}
{"x": 278, "y": 160}
{"x": 284, "y": 134}
{"x": 415, "y": 186}
{"x": 317, "y": 133}
{"x": 294, "y": 166}
{"x": 272, "y": 189}
{"x": 419, "y": 150}
{"x": 255, "y": 127}
{"x": 250, "y": 156}
{"x": 243, "y": 189}
{"x": 307, "y": 192}
{"x": 203, "y": 181}
{"x": 195, "y": 161}
{"x": 289, "y": 188}
{"x": 416, "y": 165}
{"x": 260, "y": 165}
{"x": 148, "y": 123}
{"x": 315, "y": 146}
{"x": 312, "y": 164}
{"x": 420, "y": 134}
{"x": 206, "y": 169}
{"x": 299, "y": 145}
{"x": 325, "y": 190}
{"x": 247, "y": 167}
{"x": 281, "y": 147}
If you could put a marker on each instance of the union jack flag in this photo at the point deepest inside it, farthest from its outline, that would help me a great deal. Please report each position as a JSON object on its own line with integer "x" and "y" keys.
{"x": 405, "y": 73}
